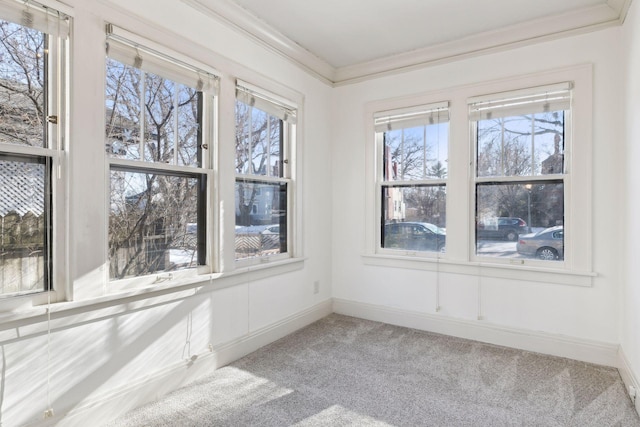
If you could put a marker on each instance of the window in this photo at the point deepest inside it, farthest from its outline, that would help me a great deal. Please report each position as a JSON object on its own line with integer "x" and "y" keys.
{"x": 158, "y": 124}
{"x": 412, "y": 174}
{"x": 265, "y": 128}
{"x": 517, "y": 178}
{"x": 33, "y": 43}
{"x": 519, "y": 140}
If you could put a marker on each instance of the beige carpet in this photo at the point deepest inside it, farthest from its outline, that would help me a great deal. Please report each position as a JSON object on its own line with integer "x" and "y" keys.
{"x": 343, "y": 371}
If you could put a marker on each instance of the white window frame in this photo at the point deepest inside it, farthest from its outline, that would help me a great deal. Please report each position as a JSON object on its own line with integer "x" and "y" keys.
{"x": 577, "y": 266}
{"x": 124, "y": 47}
{"x": 56, "y": 24}
{"x": 289, "y": 112}
{"x": 420, "y": 115}
{"x": 556, "y": 97}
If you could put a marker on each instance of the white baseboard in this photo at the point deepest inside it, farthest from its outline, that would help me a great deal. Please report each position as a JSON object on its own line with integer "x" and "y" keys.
{"x": 101, "y": 409}
{"x": 556, "y": 345}
{"x": 251, "y": 342}
{"x": 628, "y": 377}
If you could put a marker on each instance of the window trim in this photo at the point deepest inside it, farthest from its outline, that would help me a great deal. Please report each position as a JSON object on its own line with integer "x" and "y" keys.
{"x": 173, "y": 64}
{"x": 418, "y": 114}
{"x": 460, "y": 237}
{"x": 55, "y": 148}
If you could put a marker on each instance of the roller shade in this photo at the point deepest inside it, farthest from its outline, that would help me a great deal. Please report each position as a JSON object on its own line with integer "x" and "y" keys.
{"x": 266, "y": 102}
{"x": 527, "y": 101}
{"x": 36, "y": 16}
{"x": 124, "y": 48}
{"x": 412, "y": 117}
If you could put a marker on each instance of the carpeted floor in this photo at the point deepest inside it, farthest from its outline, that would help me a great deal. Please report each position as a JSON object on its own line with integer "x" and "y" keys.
{"x": 344, "y": 371}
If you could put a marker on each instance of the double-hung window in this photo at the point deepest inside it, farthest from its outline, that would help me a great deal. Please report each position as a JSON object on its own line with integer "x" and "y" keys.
{"x": 412, "y": 177}
{"x": 265, "y": 134}
{"x": 33, "y": 42}
{"x": 520, "y": 175}
{"x": 158, "y": 128}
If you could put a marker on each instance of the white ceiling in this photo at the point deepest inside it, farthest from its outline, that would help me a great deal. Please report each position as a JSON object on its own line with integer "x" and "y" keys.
{"x": 345, "y": 40}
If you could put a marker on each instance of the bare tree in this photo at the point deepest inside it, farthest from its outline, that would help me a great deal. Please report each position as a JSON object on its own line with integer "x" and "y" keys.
{"x": 258, "y": 152}
{"x": 156, "y": 120}
{"x": 23, "y": 178}
{"x": 22, "y": 73}
{"x": 528, "y": 145}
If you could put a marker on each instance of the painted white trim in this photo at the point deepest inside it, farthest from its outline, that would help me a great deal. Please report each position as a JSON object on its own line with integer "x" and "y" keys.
{"x": 535, "y": 31}
{"x": 516, "y": 271}
{"x": 268, "y": 37}
{"x": 549, "y": 28}
{"x": 591, "y": 351}
{"x": 629, "y": 378}
{"x": 119, "y": 302}
{"x": 240, "y": 347}
{"x": 151, "y": 387}
{"x": 577, "y": 266}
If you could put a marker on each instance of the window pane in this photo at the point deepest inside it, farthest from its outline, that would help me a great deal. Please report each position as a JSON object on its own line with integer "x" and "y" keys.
{"x": 414, "y": 218}
{"x": 188, "y": 129}
{"x": 527, "y": 145}
{"x": 416, "y": 153}
{"x": 171, "y": 117}
{"x": 24, "y": 250}
{"x": 259, "y": 139}
{"x": 123, "y": 110}
{"x": 154, "y": 224}
{"x": 261, "y": 219}
{"x": 22, "y": 72}
{"x": 509, "y": 214}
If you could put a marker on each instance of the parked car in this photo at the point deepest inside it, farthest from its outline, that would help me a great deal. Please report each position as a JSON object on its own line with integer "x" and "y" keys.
{"x": 547, "y": 244}
{"x": 250, "y": 229}
{"x": 501, "y": 228}
{"x": 272, "y": 229}
{"x": 415, "y": 236}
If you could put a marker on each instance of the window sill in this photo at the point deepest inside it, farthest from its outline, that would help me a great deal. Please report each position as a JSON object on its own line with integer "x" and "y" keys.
{"x": 139, "y": 298}
{"x": 501, "y": 271}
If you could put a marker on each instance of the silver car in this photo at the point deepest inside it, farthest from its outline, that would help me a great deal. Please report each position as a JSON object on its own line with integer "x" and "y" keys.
{"x": 547, "y": 244}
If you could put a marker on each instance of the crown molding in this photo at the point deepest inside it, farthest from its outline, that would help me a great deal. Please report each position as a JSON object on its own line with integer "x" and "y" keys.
{"x": 571, "y": 23}
{"x": 536, "y": 31}
{"x": 622, "y": 6}
{"x": 268, "y": 37}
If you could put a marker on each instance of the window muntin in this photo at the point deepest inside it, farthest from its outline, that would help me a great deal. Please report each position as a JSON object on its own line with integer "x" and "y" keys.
{"x": 528, "y": 145}
{"x": 259, "y": 142}
{"x": 24, "y": 55}
{"x": 412, "y": 177}
{"x": 170, "y": 113}
{"x": 158, "y": 162}
{"x": 416, "y": 153}
{"x": 32, "y": 46}
{"x": 519, "y": 169}
{"x": 264, "y": 128}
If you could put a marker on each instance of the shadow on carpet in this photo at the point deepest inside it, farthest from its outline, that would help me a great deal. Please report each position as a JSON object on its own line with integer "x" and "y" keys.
{"x": 343, "y": 371}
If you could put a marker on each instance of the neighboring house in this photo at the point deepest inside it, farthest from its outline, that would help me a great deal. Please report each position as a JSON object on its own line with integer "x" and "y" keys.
{"x": 264, "y": 204}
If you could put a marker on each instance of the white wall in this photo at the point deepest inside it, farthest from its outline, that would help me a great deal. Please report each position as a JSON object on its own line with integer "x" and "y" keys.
{"x": 630, "y": 297}
{"x": 584, "y": 313}
{"x": 101, "y": 348}
{"x": 100, "y": 351}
